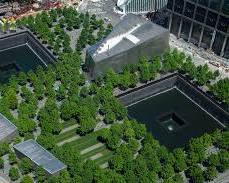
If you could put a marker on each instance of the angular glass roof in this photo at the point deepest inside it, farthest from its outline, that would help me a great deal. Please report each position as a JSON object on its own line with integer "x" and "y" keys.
{"x": 6, "y": 127}
{"x": 40, "y": 156}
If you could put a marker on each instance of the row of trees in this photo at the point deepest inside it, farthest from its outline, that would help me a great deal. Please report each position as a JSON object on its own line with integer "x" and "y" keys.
{"x": 52, "y": 27}
{"x": 154, "y": 161}
{"x": 129, "y": 132}
{"x": 146, "y": 70}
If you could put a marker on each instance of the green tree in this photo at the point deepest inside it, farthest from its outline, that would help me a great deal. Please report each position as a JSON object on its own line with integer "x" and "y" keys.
{"x": 213, "y": 160}
{"x": 25, "y": 125}
{"x": 110, "y": 118}
{"x": 129, "y": 133}
{"x": 178, "y": 178}
{"x": 1, "y": 163}
{"x": 117, "y": 163}
{"x": 224, "y": 160}
{"x": 84, "y": 91}
{"x": 10, "y": 97}
{"x": 47, "y": 140}
{"x": 211, "y": 173}
{"x": 25, "y": 165}
{"x": 139, "y": 129}
{"x": 12, "y": 158}
{"x": 27, "y": 179}
{"x": 220, "y": 89}
{"x": 167, "y": 172}
{"x": 111, "y": 77}
{"x": 14, "y": 174}
{"x": 180, "y": 163}
{"x": 133, "y": 145}
{"x": 196, "y": 174}
{"x": 113, "y": 142}
{"x": 40, "y": 174}
{"x": 22, "y": 78}
{"x": 224, "y": 142}
{"x": 4, "y": 148}
{"x": 86, "y": 125}
{"x": 144, "y": 69}
{"x": 189, "y": 67}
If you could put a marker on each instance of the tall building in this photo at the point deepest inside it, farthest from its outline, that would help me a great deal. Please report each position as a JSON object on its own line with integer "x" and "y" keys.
{"x": 202, "y": 22}
{"x": 140, "y": 6}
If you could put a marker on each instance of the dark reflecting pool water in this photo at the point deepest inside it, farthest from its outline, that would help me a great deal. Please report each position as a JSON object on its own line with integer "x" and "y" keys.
{"x": 172, "y": 118}
{"x": 17, "y": 59}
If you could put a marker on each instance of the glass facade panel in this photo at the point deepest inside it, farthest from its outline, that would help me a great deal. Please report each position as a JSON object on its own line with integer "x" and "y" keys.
{"x": 179, "y": 5}
{"x": 189, "y": 10}
{"x": 211, "y": 19}
{"x": 175, "y": 24}
{"x": 196, "y": 33}
{"x": 170, "y": 5}
{"x": 200, "y": 14}
{"x": 215, "y": 4}
{"x": 225, "y": 8}
{"x": 218, "y": 43}
{"x": 185, "y": 29}
{"x": 223, "y": 24}
{"x": 203, "y": 2}
{"x": 226, "y": 51}
{"x": 141, "y": 6}
{"x": 207, "y": 37}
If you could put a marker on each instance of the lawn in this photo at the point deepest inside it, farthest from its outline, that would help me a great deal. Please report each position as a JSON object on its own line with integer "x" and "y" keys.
{"x": 94, "y": 152}
{"x": 107, "y": 155}
{"x": 88, "y": 141}
{"x": 66, "y": 135}
{"x": 69, "y": 123}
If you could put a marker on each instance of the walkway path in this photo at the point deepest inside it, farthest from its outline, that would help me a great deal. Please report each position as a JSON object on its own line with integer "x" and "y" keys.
{"x": 105, "y": 165}
{"x": 96, "y": 156}
{"x": 69, "y": 128}
{"x": 68, "y": 140}
{"x": 3, "y": 180}
{"x": 91, "y": 148}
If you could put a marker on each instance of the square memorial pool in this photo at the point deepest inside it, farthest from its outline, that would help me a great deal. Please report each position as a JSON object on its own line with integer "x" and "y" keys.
{"x": 14, "y": 60}
{"x": 172, "y": 117}
{"x": 21, "y": 51}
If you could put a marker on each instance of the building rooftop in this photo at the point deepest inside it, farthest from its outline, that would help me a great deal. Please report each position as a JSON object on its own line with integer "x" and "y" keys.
{"x": 40, "y": 156}
{"x": 131, "y": 31}
{"x": 6, "y": 127}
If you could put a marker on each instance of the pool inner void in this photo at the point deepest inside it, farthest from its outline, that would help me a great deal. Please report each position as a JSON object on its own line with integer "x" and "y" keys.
{"x": 21, "y": 52}
{"x": 171, "y": 121}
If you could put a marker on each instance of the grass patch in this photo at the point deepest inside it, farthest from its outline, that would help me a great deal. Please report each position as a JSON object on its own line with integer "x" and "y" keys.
{"x": 66, "y": 135}
{"x": 94, "y": 152}
{"x": 105, "y": 158}
{"x": 83, "y": 139}
{"x": 86, "y": 144}
{"x": 69, "y": 123}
